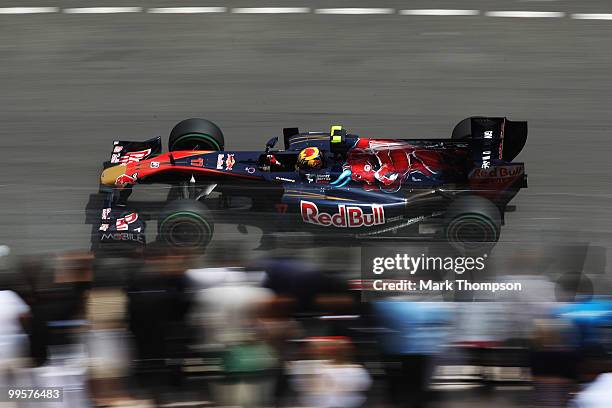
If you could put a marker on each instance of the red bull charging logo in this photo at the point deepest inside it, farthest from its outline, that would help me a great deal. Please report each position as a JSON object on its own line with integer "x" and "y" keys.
{"x": 125, "y": 179}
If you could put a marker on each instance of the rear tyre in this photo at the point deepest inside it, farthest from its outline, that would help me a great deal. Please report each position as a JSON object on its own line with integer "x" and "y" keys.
{"x": 473, "y": 225}
{"x": 196, "y": 134}
{"x": 186, "y": 224}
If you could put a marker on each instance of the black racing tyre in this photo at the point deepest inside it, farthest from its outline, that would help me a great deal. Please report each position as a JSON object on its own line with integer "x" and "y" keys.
{"x": 196, "y": 134}
{"x": 185, "y": 224}
{"x": 473, "y": 224}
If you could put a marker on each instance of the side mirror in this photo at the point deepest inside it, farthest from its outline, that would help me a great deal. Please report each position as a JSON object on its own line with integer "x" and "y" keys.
{"x": 271, "y": 143}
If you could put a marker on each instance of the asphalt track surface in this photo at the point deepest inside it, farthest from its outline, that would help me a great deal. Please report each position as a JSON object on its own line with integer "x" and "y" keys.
{"x": 70, "y": 84}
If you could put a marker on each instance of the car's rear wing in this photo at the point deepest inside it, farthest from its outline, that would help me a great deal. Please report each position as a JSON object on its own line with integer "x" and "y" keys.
{"x": 125, "y": 152}
{"x": 492, "y": 138}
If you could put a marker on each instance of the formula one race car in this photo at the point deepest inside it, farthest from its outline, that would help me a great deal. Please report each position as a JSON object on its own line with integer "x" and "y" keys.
{"x": 334, "y": 184}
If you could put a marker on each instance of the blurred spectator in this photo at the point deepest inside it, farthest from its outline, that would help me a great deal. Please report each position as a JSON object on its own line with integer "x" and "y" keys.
{"x": 229, "y": 314}
{"x": 14, "y": 315}
{"x": 598, "y": 394}
{"x": 243, "y": 324}
{"x": 158, "y": 304}
{"x": 55, "y": 290}
{"x": 107, "y": 344}
{"x": 554, "y": 362}
{"x": 413, "y": 333}
{"x": 329, "y": 378}
{"x": 277, "y": 329}
{"x": 225, "y": 267}
{"x": 300, "y": 279}
{"x": 57, "y": 298}
{"x": 66, "y": 299}
{"x": 35, "y": 274}
{"x": 14, "y": 319}
{"x": 225, "y": 264}
{"x": 592, "y": 320}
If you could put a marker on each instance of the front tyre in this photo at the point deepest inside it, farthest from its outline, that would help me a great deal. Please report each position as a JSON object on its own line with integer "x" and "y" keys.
{"x": 473, "y": 225}
{"x": 185, "y": 224}
{"x": 196, "y": 134}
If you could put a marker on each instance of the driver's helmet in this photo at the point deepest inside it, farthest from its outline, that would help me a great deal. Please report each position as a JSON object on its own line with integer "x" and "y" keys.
{"x": 310, "y": 158}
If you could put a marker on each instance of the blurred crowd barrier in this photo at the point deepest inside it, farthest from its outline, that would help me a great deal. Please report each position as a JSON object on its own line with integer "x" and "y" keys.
{"x": 285, "y": 329}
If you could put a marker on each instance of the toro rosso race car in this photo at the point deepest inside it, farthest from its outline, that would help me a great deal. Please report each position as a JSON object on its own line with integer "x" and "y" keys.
{"x": 334, "y": 184}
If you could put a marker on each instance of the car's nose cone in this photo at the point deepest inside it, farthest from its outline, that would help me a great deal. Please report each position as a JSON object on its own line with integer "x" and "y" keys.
{"x": 109, "y": 176}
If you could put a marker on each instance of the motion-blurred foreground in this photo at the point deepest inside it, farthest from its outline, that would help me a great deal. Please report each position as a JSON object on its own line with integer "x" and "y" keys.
{"x": 230, "y": 329}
